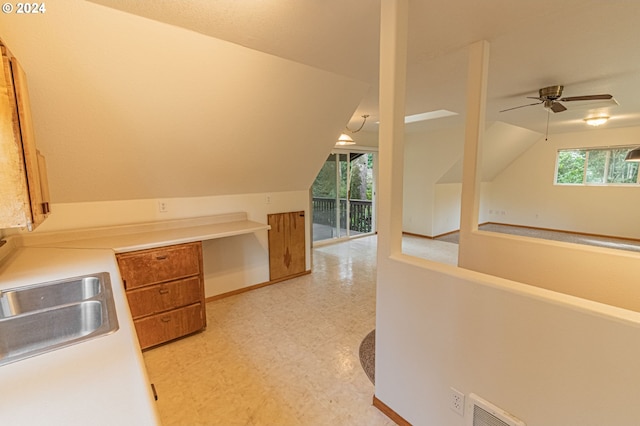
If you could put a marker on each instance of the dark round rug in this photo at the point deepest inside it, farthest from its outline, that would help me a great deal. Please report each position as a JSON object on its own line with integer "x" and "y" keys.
{"x": 368, "y": 355}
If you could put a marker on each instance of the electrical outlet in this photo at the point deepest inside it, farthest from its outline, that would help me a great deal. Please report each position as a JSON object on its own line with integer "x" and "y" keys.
{"x": 163, "y": 207}
{"x": 267, "y": 199}
{"x": 456, "y": 401}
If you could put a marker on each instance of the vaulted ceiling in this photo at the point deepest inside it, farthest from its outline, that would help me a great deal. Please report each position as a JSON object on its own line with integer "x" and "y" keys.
{"x": 589, "y": 46}
{"x": 166, "y": 98}
{"x": 129, "y": 108}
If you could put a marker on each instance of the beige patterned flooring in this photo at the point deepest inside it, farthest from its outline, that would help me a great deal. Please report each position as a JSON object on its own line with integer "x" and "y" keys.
{"x": 286, "y": 354}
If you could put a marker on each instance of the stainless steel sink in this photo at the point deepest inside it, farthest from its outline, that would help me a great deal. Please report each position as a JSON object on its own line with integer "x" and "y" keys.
{"x": 49, "y": 316}
{"x": 42, "y": 296}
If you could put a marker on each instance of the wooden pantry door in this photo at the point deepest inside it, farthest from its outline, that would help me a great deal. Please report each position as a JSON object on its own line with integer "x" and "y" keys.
{"x": 286, "y": 245}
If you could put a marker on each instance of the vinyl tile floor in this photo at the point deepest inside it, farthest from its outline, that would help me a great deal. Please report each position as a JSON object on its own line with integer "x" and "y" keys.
{"x": 286, "y": 354}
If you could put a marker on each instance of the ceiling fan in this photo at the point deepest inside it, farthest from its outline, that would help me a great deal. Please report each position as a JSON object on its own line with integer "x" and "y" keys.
{"x": 550, "y": 97}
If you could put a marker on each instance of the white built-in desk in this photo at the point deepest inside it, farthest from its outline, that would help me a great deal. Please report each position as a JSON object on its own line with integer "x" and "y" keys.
{"x": 126, "y": 238}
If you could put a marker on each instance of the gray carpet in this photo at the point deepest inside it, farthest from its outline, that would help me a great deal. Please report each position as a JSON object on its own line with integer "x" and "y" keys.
{"x": 368, "y": 355}
{"x": 616, "y": 243}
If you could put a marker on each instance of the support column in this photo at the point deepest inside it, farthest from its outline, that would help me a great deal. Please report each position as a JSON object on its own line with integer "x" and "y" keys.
{"x": 478, "y": 70}
{"x": 393, "y": 65}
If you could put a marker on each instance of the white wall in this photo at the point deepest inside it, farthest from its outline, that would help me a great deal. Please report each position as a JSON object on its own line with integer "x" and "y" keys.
{"x": 548, "y": 358}
{"x": 525, "y": 191}
{"x": 446, "y": 207}
{"x": 433, "y": 171}
{"x": 127, "y": 108}
{"x": 601, "y": 274}
{"x": 230, "y": 263}
{"x": 427, "y": 156}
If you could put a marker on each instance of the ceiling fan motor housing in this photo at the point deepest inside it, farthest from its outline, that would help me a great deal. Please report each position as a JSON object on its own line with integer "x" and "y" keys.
{"x": 551, "y": 99}
{"x": 550, "y": 93}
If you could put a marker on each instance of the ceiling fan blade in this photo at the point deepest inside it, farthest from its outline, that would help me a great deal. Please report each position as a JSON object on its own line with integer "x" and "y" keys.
{"x": 587, "y": 98}
{"x": 521, "y": 106}
{"x": 558, "y": 107}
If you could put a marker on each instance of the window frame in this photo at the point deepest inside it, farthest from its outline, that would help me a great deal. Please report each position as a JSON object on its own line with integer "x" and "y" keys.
{"x": 609, "y": 150}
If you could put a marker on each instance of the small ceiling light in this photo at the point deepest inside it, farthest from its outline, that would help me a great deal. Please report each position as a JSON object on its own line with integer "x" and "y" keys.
{"x": 345, "y": 139}
{"x": 596, "y": 121}
{"x": 633, "y": 155}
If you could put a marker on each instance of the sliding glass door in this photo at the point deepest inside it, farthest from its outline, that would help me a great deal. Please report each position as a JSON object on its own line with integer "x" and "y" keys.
{"x": 344, "y": 196}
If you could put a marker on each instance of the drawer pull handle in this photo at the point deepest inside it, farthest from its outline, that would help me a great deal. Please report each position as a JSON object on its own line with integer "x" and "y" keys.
{"x": 163, "y": 291}
{"x": 166, "y": 319}
{"x": 163, "y": 257}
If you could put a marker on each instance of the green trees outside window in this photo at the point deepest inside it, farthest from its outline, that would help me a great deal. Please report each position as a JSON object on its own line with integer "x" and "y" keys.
{"x": 595, "y": 167}
{"x": 571, "y": 166}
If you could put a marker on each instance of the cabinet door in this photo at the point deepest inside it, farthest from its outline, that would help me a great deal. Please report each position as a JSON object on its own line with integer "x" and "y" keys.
{"x": 21, "y": 188}
{"x": 39, "y": 209}
{"x": 286, "y": 244}
{"x": 14, "y": 195}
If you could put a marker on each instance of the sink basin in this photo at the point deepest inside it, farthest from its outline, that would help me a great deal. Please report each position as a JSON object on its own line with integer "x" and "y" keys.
{"x": 45, "y": 317}
{"x": 42, "y": 296}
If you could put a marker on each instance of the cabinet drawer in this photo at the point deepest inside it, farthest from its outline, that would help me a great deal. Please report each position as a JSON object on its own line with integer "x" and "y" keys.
{"x": 163, "y": 297}
{"x": 169, "y": 325}
{"x": 153, "y": 266}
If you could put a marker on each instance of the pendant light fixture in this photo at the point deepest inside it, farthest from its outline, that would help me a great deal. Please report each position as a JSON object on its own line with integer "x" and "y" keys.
{"x": 345, "y": 139}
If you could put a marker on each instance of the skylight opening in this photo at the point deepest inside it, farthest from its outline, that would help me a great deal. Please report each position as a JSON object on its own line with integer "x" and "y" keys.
{"x": 431, "y": 115}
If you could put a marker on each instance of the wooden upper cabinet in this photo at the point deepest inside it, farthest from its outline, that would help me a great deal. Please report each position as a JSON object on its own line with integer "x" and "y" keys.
{"x": 23, "y": 184}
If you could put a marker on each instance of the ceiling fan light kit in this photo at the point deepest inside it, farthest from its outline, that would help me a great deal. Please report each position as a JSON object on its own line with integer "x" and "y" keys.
{"x": 596, "y": 121}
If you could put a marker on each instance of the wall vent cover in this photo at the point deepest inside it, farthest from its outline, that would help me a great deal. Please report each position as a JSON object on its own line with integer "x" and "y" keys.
{"x": 483, "y": 413}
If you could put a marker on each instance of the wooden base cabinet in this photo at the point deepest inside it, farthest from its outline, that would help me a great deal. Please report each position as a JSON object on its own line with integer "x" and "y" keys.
{"x": 165, "y": 290}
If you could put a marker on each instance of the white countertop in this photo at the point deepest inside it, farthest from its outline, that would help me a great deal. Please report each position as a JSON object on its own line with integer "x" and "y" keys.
{"x": 140, "y": 236}
{"x": 101, "y": 381}
{"x": 159, "y": 238}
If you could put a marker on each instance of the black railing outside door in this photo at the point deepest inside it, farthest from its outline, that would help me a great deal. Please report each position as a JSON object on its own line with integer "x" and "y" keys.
{"x": 324, "y": 213}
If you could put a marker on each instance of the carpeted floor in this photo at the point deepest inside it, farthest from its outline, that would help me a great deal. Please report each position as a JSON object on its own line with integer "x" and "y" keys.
{"x": 616, "y": 243}
{"x": 368, "y": 355}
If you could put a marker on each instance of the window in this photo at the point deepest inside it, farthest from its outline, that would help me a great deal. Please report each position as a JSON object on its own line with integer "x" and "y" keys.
{"x": 596, "y": 167}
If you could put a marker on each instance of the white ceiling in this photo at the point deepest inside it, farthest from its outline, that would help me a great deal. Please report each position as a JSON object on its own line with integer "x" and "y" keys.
{"x": 166, "y": 98}
{"x": 589, "y": 46}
